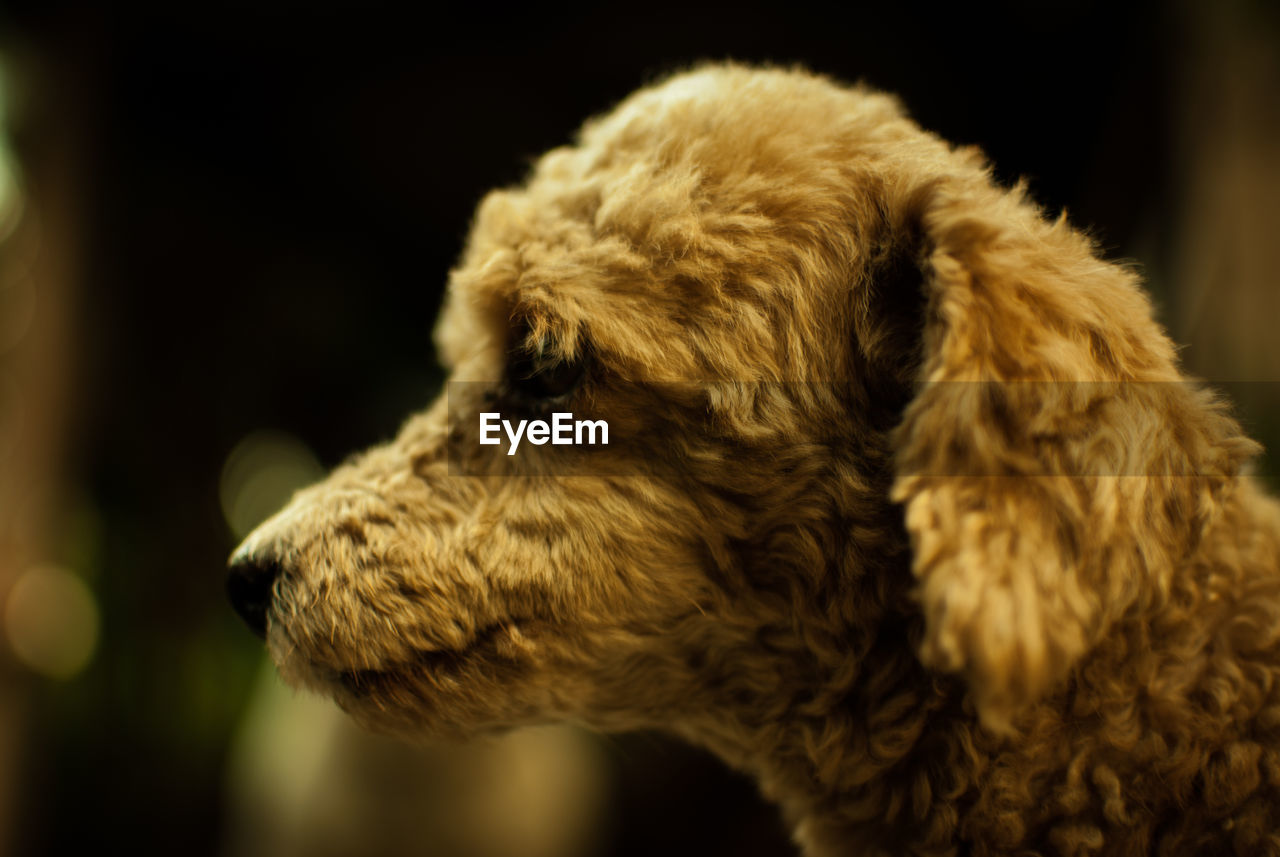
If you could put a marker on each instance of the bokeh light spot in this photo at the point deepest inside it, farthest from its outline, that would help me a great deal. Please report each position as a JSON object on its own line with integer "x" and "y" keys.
{"x": 10, "y": 189}
{"x": 51, "y": 621}
{"x": 261, "y": 474}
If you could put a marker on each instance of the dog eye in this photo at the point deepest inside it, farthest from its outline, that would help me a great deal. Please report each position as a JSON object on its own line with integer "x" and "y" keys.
{"x": 542, "y": 379}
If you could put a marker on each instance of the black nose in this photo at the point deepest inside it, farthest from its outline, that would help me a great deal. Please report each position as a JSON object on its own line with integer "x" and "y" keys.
{"x": 249, "y": 587}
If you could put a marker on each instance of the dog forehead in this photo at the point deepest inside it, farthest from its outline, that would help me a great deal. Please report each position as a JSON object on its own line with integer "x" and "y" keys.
{"x": 681, "y": 213}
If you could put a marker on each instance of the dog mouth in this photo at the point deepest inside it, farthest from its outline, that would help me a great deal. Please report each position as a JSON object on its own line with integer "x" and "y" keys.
{"x": 494, "y": 647}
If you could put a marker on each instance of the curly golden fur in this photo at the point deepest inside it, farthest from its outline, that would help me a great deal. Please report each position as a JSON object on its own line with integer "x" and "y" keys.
{"x": 916, "y": 519}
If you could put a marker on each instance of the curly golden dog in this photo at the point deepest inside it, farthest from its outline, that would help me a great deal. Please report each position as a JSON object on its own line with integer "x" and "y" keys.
{"x": 906, "y": 508}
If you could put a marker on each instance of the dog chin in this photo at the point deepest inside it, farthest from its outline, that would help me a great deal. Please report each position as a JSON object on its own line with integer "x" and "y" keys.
{"x": 425, "y": 695}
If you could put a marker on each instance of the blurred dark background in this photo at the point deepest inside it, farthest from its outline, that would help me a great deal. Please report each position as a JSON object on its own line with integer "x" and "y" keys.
{"x": 224, "y": 233}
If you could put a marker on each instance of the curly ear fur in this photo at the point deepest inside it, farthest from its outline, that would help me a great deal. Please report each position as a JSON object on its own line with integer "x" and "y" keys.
{"x": 1053, "y": 465}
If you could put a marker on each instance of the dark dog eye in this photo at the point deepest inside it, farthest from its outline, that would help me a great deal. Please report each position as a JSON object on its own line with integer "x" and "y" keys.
{"x": 542, "y": 378}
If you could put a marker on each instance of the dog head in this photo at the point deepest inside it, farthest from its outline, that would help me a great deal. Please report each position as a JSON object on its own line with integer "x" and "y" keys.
{"x": 803, "y": 319}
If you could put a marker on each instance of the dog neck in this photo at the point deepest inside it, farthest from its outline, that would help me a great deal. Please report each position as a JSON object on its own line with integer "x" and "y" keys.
{"x": 874, "y": 756}
{"x": 877, "y": 749}
{"x": 851, "y": 735}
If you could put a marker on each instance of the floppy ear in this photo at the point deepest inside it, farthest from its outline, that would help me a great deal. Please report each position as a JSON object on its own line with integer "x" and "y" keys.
{"x": 1053, "y": 465}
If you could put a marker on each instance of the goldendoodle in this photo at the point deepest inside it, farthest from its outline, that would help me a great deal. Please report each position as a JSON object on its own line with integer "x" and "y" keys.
{"x": 905, "y": 506}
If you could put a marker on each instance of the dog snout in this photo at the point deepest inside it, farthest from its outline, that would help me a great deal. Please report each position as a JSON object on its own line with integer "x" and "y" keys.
{"x": 250, "y": 584}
